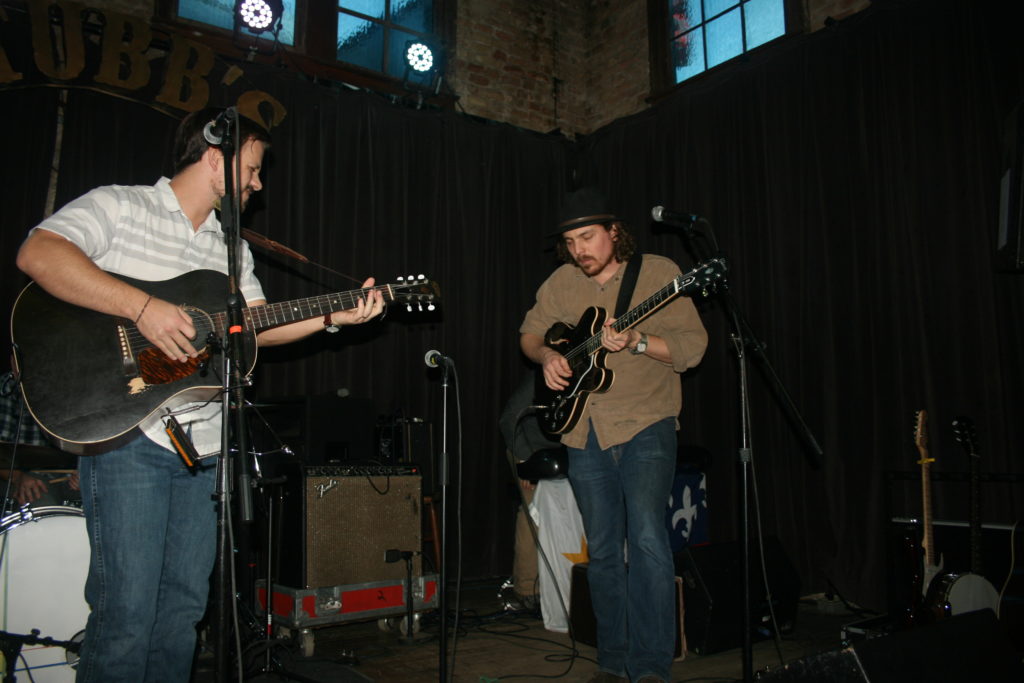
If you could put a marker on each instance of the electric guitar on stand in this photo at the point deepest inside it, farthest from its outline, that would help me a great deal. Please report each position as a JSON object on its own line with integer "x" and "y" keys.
{"x": 930, "y": 568}
{"x": 955, "y": 593}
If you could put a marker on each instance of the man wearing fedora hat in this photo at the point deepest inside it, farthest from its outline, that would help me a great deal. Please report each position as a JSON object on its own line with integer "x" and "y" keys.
{"x": 622, "y": 450}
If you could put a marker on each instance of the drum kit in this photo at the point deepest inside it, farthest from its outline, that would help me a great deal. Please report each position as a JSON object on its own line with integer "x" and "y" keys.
{"x": 44, "y": 560}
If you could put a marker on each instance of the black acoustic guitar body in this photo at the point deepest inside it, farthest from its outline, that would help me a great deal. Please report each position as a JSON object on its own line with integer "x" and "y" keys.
{"x": 90, "y": 378}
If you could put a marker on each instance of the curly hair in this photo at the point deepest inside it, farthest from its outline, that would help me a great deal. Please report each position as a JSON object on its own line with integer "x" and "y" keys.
{"x": 190, "y": 144}
{"x": 625, "y": 244}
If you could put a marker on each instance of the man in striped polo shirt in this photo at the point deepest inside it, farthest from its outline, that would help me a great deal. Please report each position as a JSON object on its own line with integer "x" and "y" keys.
{"x": 151, "y": 522}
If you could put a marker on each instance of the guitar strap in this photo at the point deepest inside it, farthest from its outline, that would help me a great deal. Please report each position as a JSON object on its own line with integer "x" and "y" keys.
{"x": 628, "y": 284}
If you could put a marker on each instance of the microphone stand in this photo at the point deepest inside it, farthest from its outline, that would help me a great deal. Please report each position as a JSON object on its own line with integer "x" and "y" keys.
{"x": 233, "y": 433}
{"x": 743, "y": 338}
{"x": 434, "y": 359}
{"x": 442, "y": 668}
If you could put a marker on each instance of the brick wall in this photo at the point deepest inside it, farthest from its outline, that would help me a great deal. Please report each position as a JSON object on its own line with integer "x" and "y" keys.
{"x": 572, "y": 65}
{"x": 520, "y": 61}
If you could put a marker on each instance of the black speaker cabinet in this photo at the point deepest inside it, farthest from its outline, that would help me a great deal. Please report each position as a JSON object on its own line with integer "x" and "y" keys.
{"x": 967, "y": 647}
{"x": 322, "y": 429}
{"x": 408, "y": 441}
{"x": 339, "y": 521}
{"x": 713, "y": 594}
{"x": 581, "y": 610}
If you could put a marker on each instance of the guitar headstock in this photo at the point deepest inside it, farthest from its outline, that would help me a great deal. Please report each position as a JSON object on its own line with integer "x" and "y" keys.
{"x": 966, "y": 436}
{"x": 415, "y": 292}
{"x": 704, "y": 276}
{"x": 921, "y": 434}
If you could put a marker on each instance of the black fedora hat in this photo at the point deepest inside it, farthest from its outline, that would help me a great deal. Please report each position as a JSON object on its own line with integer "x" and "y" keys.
{"x": 585, "y": 206}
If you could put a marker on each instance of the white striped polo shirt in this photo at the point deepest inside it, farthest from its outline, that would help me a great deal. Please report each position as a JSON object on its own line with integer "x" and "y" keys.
{"x": 141, "y": 232}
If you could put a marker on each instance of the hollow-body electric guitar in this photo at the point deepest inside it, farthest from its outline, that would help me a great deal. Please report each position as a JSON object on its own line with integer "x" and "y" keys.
{"x": 581, "y": 346}
{"x": 90, "y": 378}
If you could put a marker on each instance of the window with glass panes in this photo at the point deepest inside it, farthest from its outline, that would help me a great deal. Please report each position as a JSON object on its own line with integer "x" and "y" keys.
{"x": 706, "y": 33}
{"x": 221, "y": 13}
{"x": 373, "y": 34}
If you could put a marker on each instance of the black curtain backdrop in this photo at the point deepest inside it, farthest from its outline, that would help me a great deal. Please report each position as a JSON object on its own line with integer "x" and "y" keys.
{"x": 851, "y": 176}
{"x": 852, "y": 179}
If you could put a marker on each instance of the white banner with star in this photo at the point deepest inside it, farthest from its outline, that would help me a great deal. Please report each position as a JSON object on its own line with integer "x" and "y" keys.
{"x": 563, "y": 542}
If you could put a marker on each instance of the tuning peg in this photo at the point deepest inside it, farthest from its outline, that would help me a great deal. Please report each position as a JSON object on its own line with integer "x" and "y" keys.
{"x": 430, "y": 307}
{"x": 401, "y": 279}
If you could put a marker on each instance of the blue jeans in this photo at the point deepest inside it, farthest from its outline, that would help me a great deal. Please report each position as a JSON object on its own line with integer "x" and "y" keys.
{"x": 622, "y": 493}
{"x": 152, "y": 533}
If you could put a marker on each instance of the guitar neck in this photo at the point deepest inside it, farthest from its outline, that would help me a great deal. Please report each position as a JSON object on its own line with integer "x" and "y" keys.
{"x": 272, "y": 315}
{"x": 627, "y": 320}
{"x": 926, "y": 511}
{"x": 975, "y": 521}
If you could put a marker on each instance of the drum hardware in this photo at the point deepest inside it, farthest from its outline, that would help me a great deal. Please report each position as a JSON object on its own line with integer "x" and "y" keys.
{"x": 11, "y": 643}
{"x": 44, "y": 560}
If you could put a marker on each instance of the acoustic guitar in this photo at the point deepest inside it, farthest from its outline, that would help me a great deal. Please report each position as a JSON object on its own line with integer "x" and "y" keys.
{"x": 90, "y": 378}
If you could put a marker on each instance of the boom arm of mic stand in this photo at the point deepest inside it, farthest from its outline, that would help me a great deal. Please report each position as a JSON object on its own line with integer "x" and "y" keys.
{"x": 751, "y": 342}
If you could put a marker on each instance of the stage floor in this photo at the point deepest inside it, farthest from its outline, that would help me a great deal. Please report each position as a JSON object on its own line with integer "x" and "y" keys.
{"x": 494, "y": 643}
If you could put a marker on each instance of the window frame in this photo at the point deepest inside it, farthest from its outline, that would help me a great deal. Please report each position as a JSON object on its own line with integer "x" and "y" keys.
{"x": 662, "y": 69}
{"x": 315, "y": 49}
{"x": 389, "y": 27}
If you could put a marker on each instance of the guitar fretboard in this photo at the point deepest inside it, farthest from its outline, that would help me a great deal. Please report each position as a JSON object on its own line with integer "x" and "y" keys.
{"x": 633, "y": 316}
{"x": 963, "y": 429}
{"x": 271, "y": 315}
{"x": 926, "y": 512}
{"x": 921, "y": 441}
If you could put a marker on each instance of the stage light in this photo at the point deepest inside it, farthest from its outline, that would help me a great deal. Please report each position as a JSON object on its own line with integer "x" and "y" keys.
{"x": 260, "y": 15}
{"x": 418, "y": 56}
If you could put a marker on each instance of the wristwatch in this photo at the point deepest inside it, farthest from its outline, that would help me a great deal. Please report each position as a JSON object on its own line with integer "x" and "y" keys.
{"x": 641, "y": 345}
{"x": 329, "y": 325}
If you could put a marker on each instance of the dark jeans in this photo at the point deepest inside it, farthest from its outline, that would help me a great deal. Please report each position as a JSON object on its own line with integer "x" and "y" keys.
{"x": 152, "y": 534}
{"x": 622, "y": 493}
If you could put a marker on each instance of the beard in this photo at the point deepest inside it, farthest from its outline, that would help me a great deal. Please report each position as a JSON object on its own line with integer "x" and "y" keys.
{"x": 591, "y": 266}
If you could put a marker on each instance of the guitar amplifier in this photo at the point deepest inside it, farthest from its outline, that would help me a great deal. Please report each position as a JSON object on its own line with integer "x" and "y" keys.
{"x": 339, "y": 521}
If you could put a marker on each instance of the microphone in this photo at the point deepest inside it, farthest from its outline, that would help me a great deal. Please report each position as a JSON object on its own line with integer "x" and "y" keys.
{"x": 214, "y": 131}
{"x": 682, "y": 220}
{"x": 435, "y": 359}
